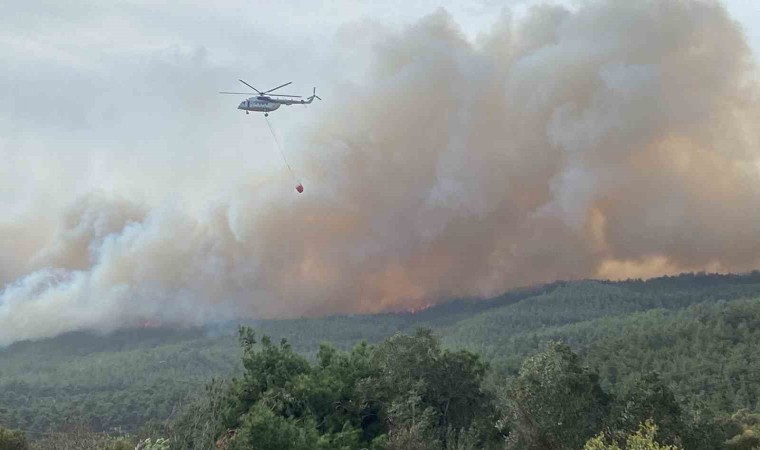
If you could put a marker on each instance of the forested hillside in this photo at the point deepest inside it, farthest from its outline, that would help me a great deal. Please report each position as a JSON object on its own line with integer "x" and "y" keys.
{"x": 699, "y": 332}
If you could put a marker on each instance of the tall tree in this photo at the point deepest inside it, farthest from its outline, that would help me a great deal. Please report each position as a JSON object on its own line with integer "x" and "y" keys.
{"x": 556, "y": 403}
{"x": 648, "y": 398}
{"x": 448, "y": 385}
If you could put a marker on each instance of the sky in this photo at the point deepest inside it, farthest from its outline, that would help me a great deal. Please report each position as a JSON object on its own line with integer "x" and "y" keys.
{"x": 111, "y": 85}
{"x": 461, "y": 149}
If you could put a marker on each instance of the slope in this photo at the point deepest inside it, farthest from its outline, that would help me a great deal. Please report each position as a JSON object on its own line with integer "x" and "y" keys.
{"x": 696, "y": 329}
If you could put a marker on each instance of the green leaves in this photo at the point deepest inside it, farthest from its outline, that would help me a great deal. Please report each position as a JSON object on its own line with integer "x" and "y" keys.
{"x": 643, "y": 439}
{"x": 405, "y": 390}
{"x": 262, "y": 428}
{"x": 701, "y": 338}
{"x": 12, "y": 440}
{"x": 648, "y": 398}
{"x": 556, "y": 403}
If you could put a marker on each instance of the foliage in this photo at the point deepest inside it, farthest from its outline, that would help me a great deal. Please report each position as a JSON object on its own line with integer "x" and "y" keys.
{"x": 200, "y": 420}
{"x": 262, "y": 428}
{"x": 117, "y": 383}
{"x": 643, "y": 439}
{"x": 12, "y": 440}
{"x": 698, "y": 334}
{"x": 446, "y": 386}
{"x": 648, "y": 398}
{"x": 745, "y": 431}
{"x": 407, "y": 392}
{"x": 556, "y": 403}
{"x": 150, "y": 444}
{"x": 123, "y": 444}
{"x": 79, "y": 437}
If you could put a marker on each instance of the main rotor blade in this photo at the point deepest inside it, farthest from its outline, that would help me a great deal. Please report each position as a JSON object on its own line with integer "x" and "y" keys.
{"x": 260, "y": 93}
{"x": 278, "y": 87}
{"x": 249, "y": 93}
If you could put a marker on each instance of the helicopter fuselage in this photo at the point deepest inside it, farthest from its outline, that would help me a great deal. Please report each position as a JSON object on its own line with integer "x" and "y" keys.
{"x": 266, "y": 104}
{"x": 259, "y": 104}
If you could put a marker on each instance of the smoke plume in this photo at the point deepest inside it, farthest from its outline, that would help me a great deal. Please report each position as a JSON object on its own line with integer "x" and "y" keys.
{"x": 618, "y": 139}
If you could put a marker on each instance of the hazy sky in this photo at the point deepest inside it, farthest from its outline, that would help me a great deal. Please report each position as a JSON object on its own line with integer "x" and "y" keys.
{"x": 126, "y": 91}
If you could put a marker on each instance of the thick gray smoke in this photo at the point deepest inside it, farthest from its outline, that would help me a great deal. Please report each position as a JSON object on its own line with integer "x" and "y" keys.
{"x": 619, "y": 139}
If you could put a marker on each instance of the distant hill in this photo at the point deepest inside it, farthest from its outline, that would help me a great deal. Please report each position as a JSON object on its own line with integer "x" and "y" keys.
{"x": 701, "y": 331}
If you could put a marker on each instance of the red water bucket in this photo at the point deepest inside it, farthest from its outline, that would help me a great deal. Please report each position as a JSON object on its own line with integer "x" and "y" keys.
{"x": 299, "y": 188}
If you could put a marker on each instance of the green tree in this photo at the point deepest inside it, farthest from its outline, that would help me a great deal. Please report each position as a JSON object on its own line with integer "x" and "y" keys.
{"x": 261, "y": 428}
{"x": 648, "y": 398}
{"x": 76, "y": 436}
{"x": 283, "y": 398}
{"x": 201, "y": 419}
{"x": 12, "y": 440}
{"x": 405, "y": 392}
{"x": 330, "y": 391}
{"x": 643, "y": 439}
{"x": 447, "y": 387}
{"x": 555, "y": 402}
{"x": 746, "y": 431}
{"x": 269, "y": 372}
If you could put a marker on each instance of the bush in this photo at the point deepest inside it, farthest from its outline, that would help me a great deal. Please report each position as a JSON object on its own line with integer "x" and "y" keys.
{"x": 12, "y": 440}
{"x": 640, "y": 440}
{"x": 149, "y": 444}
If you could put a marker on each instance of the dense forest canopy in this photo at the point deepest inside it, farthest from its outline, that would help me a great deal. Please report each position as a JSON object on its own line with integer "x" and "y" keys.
{"x": 679, "y": 351}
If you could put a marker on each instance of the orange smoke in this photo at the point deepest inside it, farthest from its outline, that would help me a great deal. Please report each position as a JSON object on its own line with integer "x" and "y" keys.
{"x": 614, "y": 140}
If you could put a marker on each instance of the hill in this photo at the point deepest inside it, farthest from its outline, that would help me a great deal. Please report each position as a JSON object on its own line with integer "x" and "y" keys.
{"x": 697, "y": 330}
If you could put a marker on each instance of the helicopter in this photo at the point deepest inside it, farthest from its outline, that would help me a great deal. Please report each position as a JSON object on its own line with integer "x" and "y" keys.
{"x": 268, "y": 103}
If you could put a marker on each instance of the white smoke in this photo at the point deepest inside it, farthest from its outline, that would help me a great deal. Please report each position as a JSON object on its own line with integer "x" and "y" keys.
{"x": 618, "y": 139}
